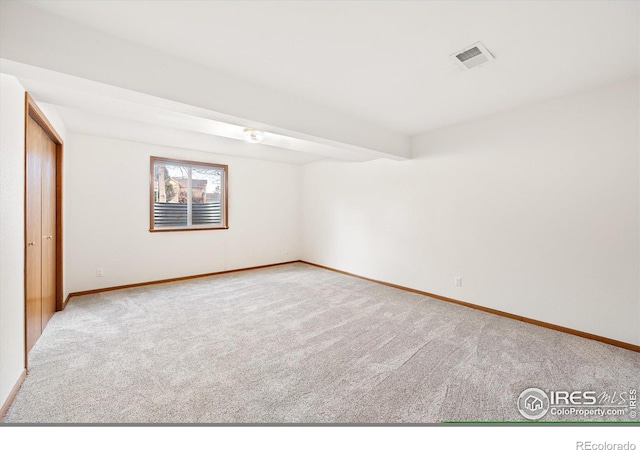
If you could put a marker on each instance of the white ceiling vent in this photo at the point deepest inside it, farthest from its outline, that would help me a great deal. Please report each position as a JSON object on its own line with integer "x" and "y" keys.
{"x": 472, "y": 56}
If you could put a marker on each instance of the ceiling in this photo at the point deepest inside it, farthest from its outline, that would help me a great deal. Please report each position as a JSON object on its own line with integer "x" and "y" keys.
{"x": 385, "y": 62}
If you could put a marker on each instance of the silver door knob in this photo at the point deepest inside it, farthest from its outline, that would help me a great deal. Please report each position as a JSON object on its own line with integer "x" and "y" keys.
{"x": 31, "y": 244}
{"x": 48, "y": 237}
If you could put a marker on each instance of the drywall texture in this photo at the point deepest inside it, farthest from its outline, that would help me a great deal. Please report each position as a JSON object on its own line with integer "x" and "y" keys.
{"x": 107, "y": 216}
{"x": 11, "y": 234}
{"x": 536, "y": 208}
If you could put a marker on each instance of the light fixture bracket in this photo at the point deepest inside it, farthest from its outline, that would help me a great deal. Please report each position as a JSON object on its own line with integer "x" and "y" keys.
{"x": 253, "y": 135}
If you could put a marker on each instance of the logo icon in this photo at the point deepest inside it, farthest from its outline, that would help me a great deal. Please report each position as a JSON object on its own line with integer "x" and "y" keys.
{"x": 533, "y": 403}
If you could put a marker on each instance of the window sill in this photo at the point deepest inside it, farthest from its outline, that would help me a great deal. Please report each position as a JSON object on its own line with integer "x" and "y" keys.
{"x": 162, "y": 230}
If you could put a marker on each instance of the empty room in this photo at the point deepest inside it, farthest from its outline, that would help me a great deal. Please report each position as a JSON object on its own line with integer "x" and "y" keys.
{"x": 309, "y": 212}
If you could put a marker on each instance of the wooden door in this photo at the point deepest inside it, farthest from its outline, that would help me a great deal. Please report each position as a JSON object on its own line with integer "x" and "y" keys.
{"x": 48, "y": 231}
{"x": 34, "y": 232}
{"x": 40, "y": 231}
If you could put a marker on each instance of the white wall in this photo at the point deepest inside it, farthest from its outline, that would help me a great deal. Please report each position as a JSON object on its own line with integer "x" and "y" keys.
{"x": 537, "y": 208}
{"x": 11, "y": 234}
{"x": 106, "y": 216}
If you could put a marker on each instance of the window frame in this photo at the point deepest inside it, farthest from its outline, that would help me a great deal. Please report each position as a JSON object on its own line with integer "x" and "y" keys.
{"x": 224, "y": 194}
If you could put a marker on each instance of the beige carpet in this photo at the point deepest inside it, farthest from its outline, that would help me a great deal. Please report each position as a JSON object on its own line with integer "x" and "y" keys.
{"x": 298, "y": 344}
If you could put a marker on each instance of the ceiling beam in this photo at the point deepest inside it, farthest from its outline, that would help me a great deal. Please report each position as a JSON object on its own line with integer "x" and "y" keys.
{"x": 31, "y": 36}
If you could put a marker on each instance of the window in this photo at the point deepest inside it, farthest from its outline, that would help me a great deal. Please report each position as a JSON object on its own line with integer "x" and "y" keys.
{"x": 187, "y": 195}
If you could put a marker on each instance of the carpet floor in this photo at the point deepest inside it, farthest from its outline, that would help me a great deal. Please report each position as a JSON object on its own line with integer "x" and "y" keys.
{"x": 298, "y": 344}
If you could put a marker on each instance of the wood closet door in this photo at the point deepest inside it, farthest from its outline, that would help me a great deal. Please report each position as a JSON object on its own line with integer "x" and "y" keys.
{"x": 48, "y": 231}
{"x": 40, "y": 231}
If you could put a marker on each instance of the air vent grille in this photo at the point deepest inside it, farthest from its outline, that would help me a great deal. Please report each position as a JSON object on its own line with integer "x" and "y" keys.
{"x": 473, "y": 56}
{"x": 464, "y": 56}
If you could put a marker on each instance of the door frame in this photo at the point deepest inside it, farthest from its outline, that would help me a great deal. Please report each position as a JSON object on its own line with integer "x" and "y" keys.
{"x": 32, "y": 110}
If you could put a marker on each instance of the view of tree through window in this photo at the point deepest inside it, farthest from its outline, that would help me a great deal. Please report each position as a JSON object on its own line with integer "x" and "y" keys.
{"x": 188, "y": 195}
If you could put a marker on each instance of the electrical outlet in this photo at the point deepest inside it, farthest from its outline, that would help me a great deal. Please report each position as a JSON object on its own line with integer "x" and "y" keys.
{"x": 99, "y": 272}
{"x": 457, "y": 281}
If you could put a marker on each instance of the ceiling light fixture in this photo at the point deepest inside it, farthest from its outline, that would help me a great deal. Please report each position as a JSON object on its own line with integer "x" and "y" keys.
{"x": 253, "y": 136}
